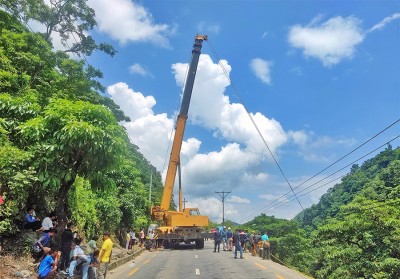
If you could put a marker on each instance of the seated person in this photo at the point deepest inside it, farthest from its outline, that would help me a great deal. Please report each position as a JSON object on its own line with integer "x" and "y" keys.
{"x": 31, "y": 222}
{"x": 78, "y": 258}
{"x": 42, "y": 246}
{"x": 47, "y": 223}
{"x": 49, "y": 264}
{"x": 94, "y": 264}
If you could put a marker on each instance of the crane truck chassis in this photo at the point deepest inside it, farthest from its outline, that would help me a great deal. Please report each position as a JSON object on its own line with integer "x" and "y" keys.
{"x": 185, "y": 225}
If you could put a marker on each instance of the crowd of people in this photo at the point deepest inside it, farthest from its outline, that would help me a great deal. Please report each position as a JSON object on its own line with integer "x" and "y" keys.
{"x": 240, "y": 241}
{"x": 67, "y": 257}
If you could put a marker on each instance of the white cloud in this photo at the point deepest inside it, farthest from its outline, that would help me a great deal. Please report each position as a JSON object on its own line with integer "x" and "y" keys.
{"x": 211, "y": 108}
{"x": 236, "y": 199}
{"x": 232, "y": 165}
{"x": 262, "y": 69}
{"x": 139, "y": 69}
{"x": 299, "y": 137}
{"x": 273, "y": 198}
{"x": 127, "y": 21}
{"x": 212, "y": 207}
{"x": 134, "y": 104}
{"x": 320, "y": 149}
{"x": 384, "y": 22}
{"x": 331, "y": 41}
{"x": 148, "y": 131}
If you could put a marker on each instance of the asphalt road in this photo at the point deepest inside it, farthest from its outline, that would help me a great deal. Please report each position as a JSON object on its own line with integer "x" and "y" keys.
{"x": 192, "y": 263}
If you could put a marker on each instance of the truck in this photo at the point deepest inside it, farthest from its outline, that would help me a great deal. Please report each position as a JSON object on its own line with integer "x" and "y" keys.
{"x": 185, "y": 224}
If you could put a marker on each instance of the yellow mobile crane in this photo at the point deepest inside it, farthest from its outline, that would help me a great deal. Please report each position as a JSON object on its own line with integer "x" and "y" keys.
{"x": 185, "y": 225}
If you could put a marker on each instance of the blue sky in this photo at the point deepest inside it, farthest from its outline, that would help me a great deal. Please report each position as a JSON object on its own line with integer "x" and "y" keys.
{"x": 318, "y": 77}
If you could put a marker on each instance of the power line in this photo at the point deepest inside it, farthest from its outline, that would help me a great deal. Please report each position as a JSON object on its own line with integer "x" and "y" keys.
{"x": 270, "y": 206}
{"x": 252, "y": 121}
{"x": 334, "y": 163}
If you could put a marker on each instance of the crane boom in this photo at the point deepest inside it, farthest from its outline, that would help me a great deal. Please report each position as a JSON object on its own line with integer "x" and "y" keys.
{"x": 185, "y": 225}
{"x": 180, "y": 125}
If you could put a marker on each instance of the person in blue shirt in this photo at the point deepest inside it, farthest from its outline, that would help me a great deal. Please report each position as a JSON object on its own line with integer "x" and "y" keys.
{"x": 217, "y": 240}
{"x": 48, "y": 265}
{"x": 266, "y": 246}
{"x": 223, "y": 238}
{"x": 42, "y": 247}
{"x": 31, "y": 222}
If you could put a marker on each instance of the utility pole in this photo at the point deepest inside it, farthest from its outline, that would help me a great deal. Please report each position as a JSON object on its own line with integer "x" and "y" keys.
{"x": 223, "y": 195}
{"x": 151, "y": 182}
{"x": 184, "y": 203}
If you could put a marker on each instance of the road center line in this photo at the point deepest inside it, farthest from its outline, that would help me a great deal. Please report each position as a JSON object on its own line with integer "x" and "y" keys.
{"x": 197, "y": 271}
{"x": 260, "y": 265}
{"x": 146, "y": 262}
{"x": 280, "y": 277}
{"x": 133, "y": 271}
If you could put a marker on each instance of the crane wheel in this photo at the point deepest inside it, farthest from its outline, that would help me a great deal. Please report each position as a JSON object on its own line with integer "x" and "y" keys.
{"x": 199, "y": 243}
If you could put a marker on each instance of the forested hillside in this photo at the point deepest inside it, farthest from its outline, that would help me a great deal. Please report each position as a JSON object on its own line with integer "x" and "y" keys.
{"x": 353, "y": 232}
{"x": 61, "y": 146}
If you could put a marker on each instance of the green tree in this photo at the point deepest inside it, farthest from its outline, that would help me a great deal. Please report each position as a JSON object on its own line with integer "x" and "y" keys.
{"x": 71, "y": 19}
{"x": 16, "y": 178}
{"x": 70, "y": 139}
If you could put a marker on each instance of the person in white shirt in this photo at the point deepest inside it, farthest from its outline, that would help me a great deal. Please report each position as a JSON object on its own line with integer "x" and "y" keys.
{"x": 79, "y": 257}
{"x": 47, "y": 222}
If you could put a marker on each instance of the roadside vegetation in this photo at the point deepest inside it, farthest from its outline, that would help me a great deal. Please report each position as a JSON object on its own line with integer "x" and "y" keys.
{"x": 62, "y": 148}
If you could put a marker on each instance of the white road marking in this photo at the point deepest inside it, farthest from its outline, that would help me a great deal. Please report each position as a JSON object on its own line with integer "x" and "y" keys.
{"x": 195, "y": 256}
{"x": 197, "y": 271}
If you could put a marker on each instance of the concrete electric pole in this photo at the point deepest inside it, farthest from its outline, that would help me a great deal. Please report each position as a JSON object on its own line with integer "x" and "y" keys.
{"x": 223, "y": 195}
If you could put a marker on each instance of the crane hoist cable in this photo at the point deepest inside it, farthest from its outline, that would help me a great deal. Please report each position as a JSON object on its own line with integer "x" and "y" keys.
{"x": 175, "y": 119}
{"x": 236, "y": 92}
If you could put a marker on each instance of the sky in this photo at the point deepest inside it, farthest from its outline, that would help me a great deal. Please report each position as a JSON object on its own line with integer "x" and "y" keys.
{"x": 317, "y": 79}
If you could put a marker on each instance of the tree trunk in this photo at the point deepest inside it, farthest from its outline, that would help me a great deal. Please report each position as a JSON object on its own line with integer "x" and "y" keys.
{"x": 61, "y": 206}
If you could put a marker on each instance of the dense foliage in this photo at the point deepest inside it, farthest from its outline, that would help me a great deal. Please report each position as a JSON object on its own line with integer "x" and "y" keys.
{"x": 61, "y": 146}
{"x": 354, "y": 230}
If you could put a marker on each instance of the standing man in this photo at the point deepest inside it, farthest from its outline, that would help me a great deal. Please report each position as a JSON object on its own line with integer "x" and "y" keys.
{"x": 266, "y": 246}
{"x": 217, "y": 240}
{"x": 105, "y": 255}
{"x": 236, "y": 242}
{"x": 66, "y": 240}
{"x": 223, "y": 238}
{"x": 141, "y": 237}
{"x": 229, "y": 236}
{"x": 252, "y": 245}
{"x": 127, "y": 240}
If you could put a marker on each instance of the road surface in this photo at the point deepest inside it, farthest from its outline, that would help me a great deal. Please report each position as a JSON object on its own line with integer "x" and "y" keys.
{"x": 189, "y": 263}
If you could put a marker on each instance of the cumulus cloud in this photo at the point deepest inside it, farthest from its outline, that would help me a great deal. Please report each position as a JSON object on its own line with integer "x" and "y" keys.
{"x": 384, "y": 22}
{"x": 139, "y": 69}
{"x": 320, "y": 149}
{"x": 212, "y": 207}
{"x": 262, "y": 69}
{"x": 330, "y": 41}
{"x": 233, "y": 165}
{"x": 152, "y": 142}
{"x": 129, "y": 22}
{"x": 236, "y": 199}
